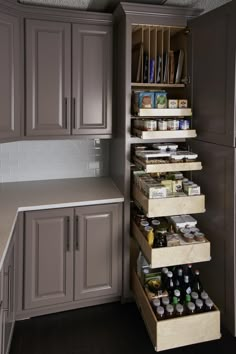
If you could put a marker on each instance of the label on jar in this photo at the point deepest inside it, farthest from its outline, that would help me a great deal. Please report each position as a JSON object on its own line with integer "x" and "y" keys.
{"x": 162, "y": 125}
{"x": 150, "y": 125}
{"x": 184, "y": 124}
{"x": 173, "y": 124}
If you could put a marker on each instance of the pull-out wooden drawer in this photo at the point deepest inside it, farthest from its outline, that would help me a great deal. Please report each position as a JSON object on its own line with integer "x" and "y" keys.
{"x": 168, "y": 167}
{"x": 176, "y": 332}
{"x": 169, "y": 256}
{"x": 165, "y": 134}
{"x": 170, "y": 206}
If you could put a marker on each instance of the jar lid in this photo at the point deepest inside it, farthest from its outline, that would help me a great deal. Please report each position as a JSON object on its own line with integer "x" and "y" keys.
{"x": 191, "y": 306}
{"x": 144, "y": 223}
{"x": 177, "y": 292}
{"x": 204, "y": 295}
{"x": 156, "y": 302}
{"x": 148, "y": 228}
{"x": 209, "y": 302}
{"x": 155, "y": 222}
{"x": 170, "y": 308}
{"x": 179, "y": 308}
{"x": 170, "y": 274}
{"x": 160, "y": 310}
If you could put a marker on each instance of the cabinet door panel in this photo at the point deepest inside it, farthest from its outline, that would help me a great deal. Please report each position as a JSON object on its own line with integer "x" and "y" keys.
{"x": 213, "y": 76}
{"x": 48, "y": 73}
{"x": 97, "y": 255}
{"x": 9, "y": 74}
{"x": 48, "y": 257}
{"x": 92, "y": 58}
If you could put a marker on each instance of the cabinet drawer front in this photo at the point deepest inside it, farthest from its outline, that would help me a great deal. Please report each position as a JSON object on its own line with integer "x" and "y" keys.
{"x": 176, "y": 332}
{"x": 170, "y": 206}
{"x": 169, "y": 256}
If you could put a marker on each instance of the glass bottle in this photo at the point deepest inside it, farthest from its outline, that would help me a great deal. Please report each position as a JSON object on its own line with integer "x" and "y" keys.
{"x": 169, "y": 311}
{"x": 187, "y": 298}
{"x": 160, "y": 313}
{"x": 191, "y": 308}
{"x": 177, "y": 295}
{"x": 164, "y": 272}
{"x": 199, "y": 305}
{"x": 170, "y": 284}
{"x": 197, "y": 285}
{"x": 179, "y": 278}
{"x": 155, "y": 303}
{"x": 204, "y": 295}
{"x": 194, "y": 296}
{"x": 189, "y": 273}
{"x": 179, "y": 310}
{"x": 165, "y": 301}
{"x": 209, "y": 304}
{"x": 186, "y": 286}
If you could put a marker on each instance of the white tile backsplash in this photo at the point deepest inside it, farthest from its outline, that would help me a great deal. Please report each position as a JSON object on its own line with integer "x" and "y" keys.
{"x": 41, "y": 160}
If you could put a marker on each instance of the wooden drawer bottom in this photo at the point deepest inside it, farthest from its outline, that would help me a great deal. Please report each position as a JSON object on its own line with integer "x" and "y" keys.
{"x": 175, "y": 332}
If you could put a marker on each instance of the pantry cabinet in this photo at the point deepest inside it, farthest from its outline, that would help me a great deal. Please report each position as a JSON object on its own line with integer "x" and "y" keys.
{"x": 71, "y": 256}
{"x": 60, "y": 56}
{"x": 9, "y": 72}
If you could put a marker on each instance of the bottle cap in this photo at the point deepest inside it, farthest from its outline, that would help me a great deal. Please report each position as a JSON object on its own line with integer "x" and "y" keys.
{"x": 170, "y": 308}
{"x": 170, "y": 274}
{"x": 179, "y": 308}
{"x": 204, "y": 295}
{"x": 165, "y": 270}
{"x": 187, "y": 298}
{"x": 165, "y": 301}
{"x": 177, "y": 292}
{"x": 199, "y": 303}
{"x": 197, "y": 272}
{"x": 160, "y": 310}
{"x": 191, "y": 306}
{"x": 194, "y": 295}
{"x": 209, "y": 303}
{"x": 156, "y": 302}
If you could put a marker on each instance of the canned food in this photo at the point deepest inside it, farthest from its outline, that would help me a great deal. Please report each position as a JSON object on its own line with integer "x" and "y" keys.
{"x": 173, "y": 124}
{"x": 150, "y": 125}
{"x": 184, "y": 124}
{"x": 162, "y": 124}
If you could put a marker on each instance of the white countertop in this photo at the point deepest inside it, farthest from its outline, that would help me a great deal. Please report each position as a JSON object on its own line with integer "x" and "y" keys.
{"x": 38, "y": 195}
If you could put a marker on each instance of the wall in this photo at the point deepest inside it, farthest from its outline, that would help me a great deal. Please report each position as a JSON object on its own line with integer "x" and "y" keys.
{"x": 206, "y": 5}
{"x": 40, "y": 160}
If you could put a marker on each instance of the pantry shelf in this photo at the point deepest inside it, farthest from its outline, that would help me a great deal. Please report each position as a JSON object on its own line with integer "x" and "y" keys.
{"x": 164, "y": 112}
{"x": 170, "y": 206}
{"x": 169, "y": 256}
{"x": 165, "y": 134}
{"x": 168, "y": 167}
{"x": 176, "y": 332}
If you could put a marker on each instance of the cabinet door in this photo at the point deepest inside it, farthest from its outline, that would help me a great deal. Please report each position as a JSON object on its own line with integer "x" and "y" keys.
{"x": 48, "y": 78}
{"x": 8, "y": 312}
{"x": 213, "y": 75}
{"x": 91, "y": 79}
{"x": 9, "y": 77}
{"x": 48, "y": 258}
{"x": 97, "y": 251}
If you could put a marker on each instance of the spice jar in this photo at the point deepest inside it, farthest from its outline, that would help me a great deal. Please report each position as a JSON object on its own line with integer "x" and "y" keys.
{"x": 150, "y": 125}
{"x": 162, "y": 124}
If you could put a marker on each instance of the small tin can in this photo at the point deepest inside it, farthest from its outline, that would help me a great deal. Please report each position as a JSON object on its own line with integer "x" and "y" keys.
{"x": 162, "y": 124}
{"x": 184, "y": 124}
{"x": 150, "y": 125}
{"x": 173, "y": 124}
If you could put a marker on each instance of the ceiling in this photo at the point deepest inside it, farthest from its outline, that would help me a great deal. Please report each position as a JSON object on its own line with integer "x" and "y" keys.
{"x": 109, "y": 5}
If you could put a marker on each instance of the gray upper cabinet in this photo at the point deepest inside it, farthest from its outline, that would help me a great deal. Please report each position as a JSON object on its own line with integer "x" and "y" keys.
{"x": 9, "y": 74}
{"x": 213, "y": 75}
{"x": 48, "y": 255}
{"x": 97, "y": 251}
{"x": 48, "y": 75}
{"x": 92, "y": 79}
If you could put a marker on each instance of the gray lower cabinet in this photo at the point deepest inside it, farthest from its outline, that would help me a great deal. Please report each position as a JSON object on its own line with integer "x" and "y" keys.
{"x": 8, "y": 310}
{"x": 97, "y": 251}
{"x": 71, "y": 255}
{"x": 48, "y": 258}
{"x": 9, "y": 74}
{"x": 48, "y": 73}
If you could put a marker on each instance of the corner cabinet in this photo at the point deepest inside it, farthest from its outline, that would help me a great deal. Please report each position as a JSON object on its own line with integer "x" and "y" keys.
{"x": 9, "y": 73}
{"x": 60, "y": 56}
{"x": 72, "y": 258}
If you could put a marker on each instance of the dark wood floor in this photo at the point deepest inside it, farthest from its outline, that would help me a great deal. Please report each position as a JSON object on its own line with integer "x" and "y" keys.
{"x": 106, "y": 329}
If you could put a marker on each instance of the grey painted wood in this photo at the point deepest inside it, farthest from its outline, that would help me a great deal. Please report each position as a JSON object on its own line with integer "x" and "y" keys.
{"x": 217, "y": 181}
{"x": 48, "y": 71}
{"x": 92, "y": 79}
{"x": 97, "y": 251}
{"x": 213, "y": 75}
{"x": 48, "y": 258}
{"x": 9, "y": 310}
{"x": 9, "y": 73}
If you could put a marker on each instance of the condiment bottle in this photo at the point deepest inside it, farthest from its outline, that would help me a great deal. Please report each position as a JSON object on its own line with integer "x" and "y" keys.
{"x": 164, "y": 272}
{"x": 191, "y": 308}
{"x": 143, "y": 224}
{"x": 199, "y": 305}
{"x": 197, "y": 285}
{"x": 169, "y": 311}
{"x": 155, "y": 303}
{"x": 209, "y": 304}
{"x": 204, "y": 295}
{"x": 179, "y": 310}
{"x": 194, "y": 295}
{"x": 160, "y": 313}
{"x": 177, "y": 296}
{"x": 170, "y": 284}
{"x": 149, "y": 235}
{"x": 165, "y": 301}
